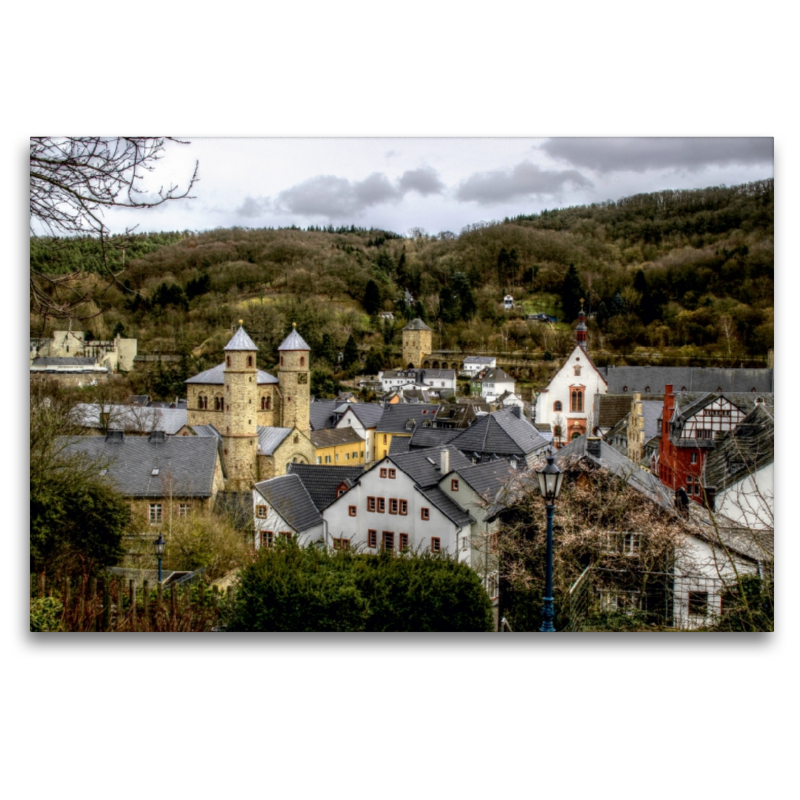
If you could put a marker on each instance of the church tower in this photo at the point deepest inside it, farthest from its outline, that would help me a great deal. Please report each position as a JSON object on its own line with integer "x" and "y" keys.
{"x": 240, "y": 434}
{"x": 581, "y": 331}
{"x": 293, "y": 377}
{"x": 417, "y": 343}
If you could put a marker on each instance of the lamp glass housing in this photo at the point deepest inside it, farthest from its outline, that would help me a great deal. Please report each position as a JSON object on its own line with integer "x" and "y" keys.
{"x": 550, "y": 479}
{"x": 159, "y": 545}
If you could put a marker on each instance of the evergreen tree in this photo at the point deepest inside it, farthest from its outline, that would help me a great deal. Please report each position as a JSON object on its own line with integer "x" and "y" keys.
{"x": 465, "y": 296}
{"x": 419, "y": 311}
{"x": 571, "y": 294}
{"x": 327, "y": 349}
{"x": 449, "y": 305}
{"x": 372, "y": 298}
{"x": 350, "y": 353}
{"x": 502, "y": 266}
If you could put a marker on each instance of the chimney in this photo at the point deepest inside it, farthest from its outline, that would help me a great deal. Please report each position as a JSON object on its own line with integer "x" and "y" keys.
{"x": 517, "y": 411}
{"x": 711, "y": 497}
{"x": 593, "y": 446}
{"x": 157, "y": 437}
{"x": 115, "y": 436}
{"x": 445, "y": 462}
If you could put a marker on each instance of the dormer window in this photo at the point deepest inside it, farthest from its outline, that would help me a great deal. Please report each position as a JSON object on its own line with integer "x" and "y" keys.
{"x": 154, "y": 471}
{"x": 647, "y": 388}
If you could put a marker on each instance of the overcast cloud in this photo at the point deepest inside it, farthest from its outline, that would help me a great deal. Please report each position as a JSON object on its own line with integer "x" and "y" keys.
{"x": 438, "y": 184}
{"x": 524, "y": 180}
{"x": 640, "y": 154}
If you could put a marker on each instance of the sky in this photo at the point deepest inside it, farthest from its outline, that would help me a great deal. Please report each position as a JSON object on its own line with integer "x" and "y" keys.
{"x": 437, "y": 184}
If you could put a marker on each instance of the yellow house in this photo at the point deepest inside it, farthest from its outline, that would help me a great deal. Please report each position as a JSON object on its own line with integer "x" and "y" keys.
{"x": 401, "y": 421}
{"x": 339, "y": 447}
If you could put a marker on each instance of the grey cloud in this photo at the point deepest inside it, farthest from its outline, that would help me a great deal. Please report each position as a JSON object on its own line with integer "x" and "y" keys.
{"x": 339, "y": 198}
{"x": 253, "y": 207}
{"x": 644, "y": 153}
{"x": 424, "y": 180}
{"x": 524, "y": 180}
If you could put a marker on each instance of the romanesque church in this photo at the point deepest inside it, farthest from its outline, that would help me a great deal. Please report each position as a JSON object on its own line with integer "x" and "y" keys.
{"x": 262, "y": 421}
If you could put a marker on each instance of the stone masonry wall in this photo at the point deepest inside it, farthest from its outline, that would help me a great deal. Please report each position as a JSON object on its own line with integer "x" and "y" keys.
{"x": 295, "y": 389}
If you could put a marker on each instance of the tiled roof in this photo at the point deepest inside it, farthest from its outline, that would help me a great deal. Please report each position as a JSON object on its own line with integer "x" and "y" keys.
{"x": 695, "y": 379}
{"x": 749, "y": 447}
{"x": 64, "y": 361}
{"x": 395, "y": 418}
{"x": 399, "y": 444}
{"x": 423, "y": 466}
{"x": 489, "y": 478}
{"x": 291, "y": 500}
{"x": 446, "y": 505}
{"x": 321, "y": 482}
{"x": 269, "y": 439}
{"x": 430, "y": 437}
{"x": 185, "y": 463}
{"x": 368, "y": 414}
{"x": 417, "y": 325}
{"x": 130, "y": 418}
{"x": 496, "y": 374}
{"x": 501, "y": 432}
{"x": 216, "y": 376}
{"x": 332, "y": 437}
{"x": 206, "y": 430}
{"x": 241, "y": 341}
{"x": 478, "y": 360}
{"x": 294, "y": 341}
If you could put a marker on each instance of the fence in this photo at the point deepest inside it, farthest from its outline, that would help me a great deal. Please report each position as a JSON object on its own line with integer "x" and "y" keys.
{"x": 607, "y": 599}
{"x": 109, "y": 603}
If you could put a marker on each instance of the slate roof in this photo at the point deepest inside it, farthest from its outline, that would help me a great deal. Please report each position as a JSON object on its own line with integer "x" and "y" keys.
{"x": 489, "y": 478}
{"x": 501, "y": 432}
{"x": 320, "y": 413}
{"x": 269, "y": 439}
{"x": 294, "y": 341}
{"x": 742, "y": 451}
{"x": 619, "y": 465}
{"x": 394, "y": 418}
{"x": 399, "y": 444}
{"x": 446, "y": 505}
{"x": 478, "y": 360}
{"x": 241, "y": 341}
{"x": 430, "y": 437}
{"x": 417, "y": 464}
{"x": 695, "y": 379}
{"x": 287, "y": 495}
{"x": 495, "y": 375}
{"x": 130, "y": 418}
{"x": 369, "y": 414}
{"x": 186, "y": 464}
{"x": 64, "y": 361}
{"x": 417, "y": 325}
{"x": 216, "y": 376}
{"x": 332, "y": 437}
{"x": 321, "y": 482}
{"x": 611, "y": 408}
{"x": 206, "y": 430}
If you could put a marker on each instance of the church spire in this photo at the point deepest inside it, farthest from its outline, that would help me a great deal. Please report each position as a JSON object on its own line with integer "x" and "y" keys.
{"x": 581, "y": 331}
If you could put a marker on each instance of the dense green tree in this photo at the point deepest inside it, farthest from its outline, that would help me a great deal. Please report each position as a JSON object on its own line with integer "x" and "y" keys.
{"x": 571, "y": 294}
{"x": 327, "y": 349}
{"x": 449, "y": 305}
{"x": 350, "y": 356}
{"x": 198, "y": 286}
{"x": 462, "y": 289}
{"x": 374, "y": 363}
{"x": 372, "y": 298}
{"x": 420, "y": 311}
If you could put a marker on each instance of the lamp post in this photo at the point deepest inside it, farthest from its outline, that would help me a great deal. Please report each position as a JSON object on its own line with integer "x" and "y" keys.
{"x": 550, "y": 479}
{"x": 159, "y": 546}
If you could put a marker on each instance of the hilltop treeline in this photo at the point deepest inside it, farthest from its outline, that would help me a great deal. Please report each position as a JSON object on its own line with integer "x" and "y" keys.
{"x": 671, "y": 270}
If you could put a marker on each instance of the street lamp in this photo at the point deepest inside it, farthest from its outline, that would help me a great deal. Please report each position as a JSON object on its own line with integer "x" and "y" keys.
{"x": 550, "y": 479}
{"x": 159, "y": 546}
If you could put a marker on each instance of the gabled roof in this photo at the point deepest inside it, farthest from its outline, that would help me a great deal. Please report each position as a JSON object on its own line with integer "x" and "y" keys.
{"x": 129, "y": 418}
{"x": 185, "y": 464}
{"x": 495, "y": 374}
{"x": 423, "y": 466}
{"x": 320, "y": 413}
{"x": 695, "y": 379}
{"x": 368, "y": 414}
{"x": 417, "y": 325}
{"x": 333, "y": 437}
{"x": 489, "y": 478}
{"x": 446, "y": 505}
{"x": 216, "y": 376}
{"x": 430, "y": 437}
{"x": 270, "y": 439}
{"x": 687, "y": 404}
{"x": 294, "y": 341}
{"x": 503, "y": 433}
{"x": 395, "y": 418}
{"x": 321, "y": 482}
{"x": 750, "y": 446}
{"x": 241, "y": 341}
{"x": 287, "y": 495}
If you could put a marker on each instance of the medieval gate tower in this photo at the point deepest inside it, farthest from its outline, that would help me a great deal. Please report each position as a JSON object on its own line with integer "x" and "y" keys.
{"x": 417, "y": 343}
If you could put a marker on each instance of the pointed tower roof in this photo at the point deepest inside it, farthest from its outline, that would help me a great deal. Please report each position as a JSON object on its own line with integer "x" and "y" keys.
{"x": 294, "y": 341}
{"x": 241, "y": 341}
{"x": 417, "y": 325}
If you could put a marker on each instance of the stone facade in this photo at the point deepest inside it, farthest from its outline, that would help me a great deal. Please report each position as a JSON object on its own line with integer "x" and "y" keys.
{"x": 294, "y": 378}
{"x": 294, "y": 449}
{"x": 417, "y": 344}
{"x": 636, "y": 430}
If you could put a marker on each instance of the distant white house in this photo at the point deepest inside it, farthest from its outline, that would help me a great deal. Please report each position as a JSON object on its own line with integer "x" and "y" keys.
{"x": 492, "y": 384}
{"x": 437, "y": 379}
{"x": 508, "y": 302}
{"x": 474, "y": 364}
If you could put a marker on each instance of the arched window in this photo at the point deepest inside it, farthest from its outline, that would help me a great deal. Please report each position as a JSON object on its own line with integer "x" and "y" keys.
{"x": 576, "y": 399}
{"x": 281, "y": 360}
{"x": 302, "y": 361}
{"x": 202, "y": 401}
{"x": 683, "y": 388}
{"x": 557, "y": 405}
{"x": 647, "y": 388}
{"x": 228, "y": 360}
{"x": 624, "y": 388}
{"x": 265, "y": 401}
{"x": 249, "y": 361}
{"x": 296, "y": 439}
{"x": 219, "y": 404}
{"x": 576, "y": 435}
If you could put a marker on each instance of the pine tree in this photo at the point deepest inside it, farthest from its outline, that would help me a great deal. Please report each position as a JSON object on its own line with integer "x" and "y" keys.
{"x": 350, "y": 353}
{"x": 465, "y": 296}
{"x": 372, "y": 298}
{"x": 571, "y": 294}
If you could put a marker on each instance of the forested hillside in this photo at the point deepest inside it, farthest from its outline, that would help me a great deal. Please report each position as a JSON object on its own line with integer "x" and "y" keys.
{"x": 686, "y": 273}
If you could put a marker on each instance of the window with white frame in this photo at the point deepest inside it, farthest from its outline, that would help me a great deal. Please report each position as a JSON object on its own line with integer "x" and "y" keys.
{"x": 155, "y": 513}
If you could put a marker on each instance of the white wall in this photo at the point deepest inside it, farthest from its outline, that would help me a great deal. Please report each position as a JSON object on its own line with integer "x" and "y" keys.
{"x": 276, "y": 523}
{"x": 751, "y": 502}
